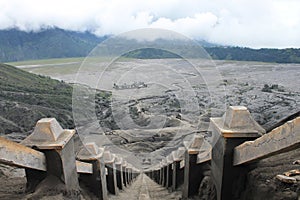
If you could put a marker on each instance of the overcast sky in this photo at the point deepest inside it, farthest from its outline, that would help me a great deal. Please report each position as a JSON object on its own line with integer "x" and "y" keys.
{"x": 251, "y": 23}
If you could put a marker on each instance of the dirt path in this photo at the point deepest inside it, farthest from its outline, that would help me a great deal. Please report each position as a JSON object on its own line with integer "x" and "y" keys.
{"x": 143, "y": 188}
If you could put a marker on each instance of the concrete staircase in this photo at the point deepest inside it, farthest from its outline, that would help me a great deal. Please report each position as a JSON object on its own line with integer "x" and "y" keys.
{"x": 143, "y": 188}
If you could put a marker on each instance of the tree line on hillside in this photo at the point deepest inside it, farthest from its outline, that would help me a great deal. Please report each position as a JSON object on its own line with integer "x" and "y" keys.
{"x": 228, "y": 53}
{"x": 16, "y": 45}
{"x": 263, "y": 55}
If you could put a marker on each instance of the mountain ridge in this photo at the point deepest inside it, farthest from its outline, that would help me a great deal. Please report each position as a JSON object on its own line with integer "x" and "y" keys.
{"x": 17, "y": 45}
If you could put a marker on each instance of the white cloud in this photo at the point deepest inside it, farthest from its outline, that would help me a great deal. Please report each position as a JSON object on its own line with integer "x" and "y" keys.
{"x": 256, "y": 23}
{"x": 198, "y": 26}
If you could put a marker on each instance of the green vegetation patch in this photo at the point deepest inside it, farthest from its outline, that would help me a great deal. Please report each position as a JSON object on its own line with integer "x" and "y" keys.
{"x": 26, "y": 97}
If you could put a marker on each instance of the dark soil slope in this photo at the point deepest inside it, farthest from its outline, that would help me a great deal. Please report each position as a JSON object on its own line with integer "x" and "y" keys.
{"x": 25, "y": 98}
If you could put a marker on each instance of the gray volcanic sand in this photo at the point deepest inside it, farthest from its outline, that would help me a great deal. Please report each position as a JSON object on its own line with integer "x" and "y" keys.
{"x": 145, "y": 120}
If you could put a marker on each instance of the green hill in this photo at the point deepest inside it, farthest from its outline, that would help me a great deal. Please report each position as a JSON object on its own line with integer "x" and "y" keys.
{"x": 25, "y": 98}
{"x": 228, "y": 53}
{"x": 16, "y": 45}
{"x": 289, "y": 55}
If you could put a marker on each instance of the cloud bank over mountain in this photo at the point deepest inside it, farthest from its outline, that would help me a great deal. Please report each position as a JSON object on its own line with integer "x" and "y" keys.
{"x": 268, "y": 23}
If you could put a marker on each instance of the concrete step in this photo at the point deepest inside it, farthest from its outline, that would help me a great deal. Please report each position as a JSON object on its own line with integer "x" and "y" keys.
{"x": 145, "y": 189}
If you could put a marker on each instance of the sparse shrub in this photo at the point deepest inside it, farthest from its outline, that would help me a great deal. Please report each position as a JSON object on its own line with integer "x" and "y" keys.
{"x": 275, "y": 87}
{"x": 266, "y": 88}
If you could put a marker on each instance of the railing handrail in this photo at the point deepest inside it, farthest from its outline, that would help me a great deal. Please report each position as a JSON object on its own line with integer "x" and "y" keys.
{"x": 17, "y": 155}
{"x": 281, "y": 139}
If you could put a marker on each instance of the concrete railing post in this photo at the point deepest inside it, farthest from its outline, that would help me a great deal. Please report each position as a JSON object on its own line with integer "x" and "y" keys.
{"x": 119, "y": 173}
{"x": 125, "y": 179}
{"x": 149, "y": 173}
{"x": 161, "y": 174}
{"x": 165, "y": 168}
{"x": 91, "y": 153}
{"x": 58, "y": 146}
{"x": 155, "y": 175}
{"x": 135, "y": 173}
{"x": 234, "y": 128}
{"x": 129, "y": 173}
{"x": 111, "y": 178}
{"x": 178, "y": 155}
{"x": 169, "y": 171}
{"x": 175, "y": 177}
{"x": 192, "y": 171}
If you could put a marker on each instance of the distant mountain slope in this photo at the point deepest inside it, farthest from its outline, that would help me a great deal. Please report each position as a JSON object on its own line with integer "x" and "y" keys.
{"x": 25, "y": 98}
{"x": 263, "y": 55}
{"x": 18, "y": 45}
{"x": 228, "y": 53}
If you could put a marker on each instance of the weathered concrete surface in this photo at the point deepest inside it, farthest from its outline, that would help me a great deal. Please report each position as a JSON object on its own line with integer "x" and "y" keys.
{"x": 119, "y": 173}
{"x": 193, "y": 173}
{"x": 282, "y": 139}
{"x": 178, "y": 154}
{"x": 48, "y": 134}
{"x": 47, "y": 130}
{"x": 96, "y": 181}
{"x": 59, "y": 151}
{"x": 128, "y": 174}
{"x": 198, "y": 146}
{"x": 192, "y": 176}
{"x": 238, "y": 117}
{"x": 204, "y": 154}
{"x": 144, "y": 191}
{"x": 170, "y": 160}
{"x": 124, "y": 173}
{"x": 235, "y": 127}
{"x": 84, "y": 168}
{"x": 169, "y": 176}
{"x": 165, "y": 175}
{"x": 15, "y": 154}
{"x": 65, "y": 166}
{"x": 143, "y": 188}
{"x": 90, "y": 151}
{"x": 34, "y": 162}
{"x": 194, "y": 146}
{"x": 111, "y": 178}
{"x": 161, "y": 175}
{"x": 108, "y": 157}
{"x": 182, "y": 164}
{"x": 177, "y": 175}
